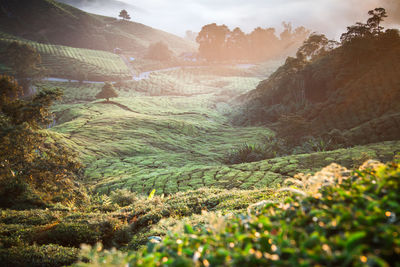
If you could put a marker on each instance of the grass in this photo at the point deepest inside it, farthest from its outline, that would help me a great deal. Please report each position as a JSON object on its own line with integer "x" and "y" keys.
{"x": 75, "y": 63}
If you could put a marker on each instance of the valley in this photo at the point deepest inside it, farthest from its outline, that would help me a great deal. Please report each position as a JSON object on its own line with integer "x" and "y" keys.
{"x": 125, "y": 145}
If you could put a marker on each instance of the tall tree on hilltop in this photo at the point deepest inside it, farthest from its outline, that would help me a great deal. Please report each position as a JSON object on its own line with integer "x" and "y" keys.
{"x": 370, "y": 29}
{"x": 124, "y": 15}
{"x": 377, "y": 16}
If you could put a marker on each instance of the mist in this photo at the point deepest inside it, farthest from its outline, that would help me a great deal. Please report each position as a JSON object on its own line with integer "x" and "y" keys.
{"x": 325, "y": 16}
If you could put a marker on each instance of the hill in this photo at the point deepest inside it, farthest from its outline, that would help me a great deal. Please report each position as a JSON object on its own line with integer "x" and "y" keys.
{"x": 48, "y": 21}
{"x": 314, "y": 98}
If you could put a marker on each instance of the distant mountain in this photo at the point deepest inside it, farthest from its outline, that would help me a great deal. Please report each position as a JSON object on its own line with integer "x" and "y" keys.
{"x": 48, "y": 21}
{"x": 354, "y": 89}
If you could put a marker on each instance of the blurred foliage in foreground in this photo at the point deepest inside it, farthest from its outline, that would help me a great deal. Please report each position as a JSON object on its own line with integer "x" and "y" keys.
{"x": 351, "y": 220}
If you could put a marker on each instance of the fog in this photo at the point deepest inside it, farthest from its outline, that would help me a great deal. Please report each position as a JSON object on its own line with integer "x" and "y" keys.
{"x": 176, "y": 16}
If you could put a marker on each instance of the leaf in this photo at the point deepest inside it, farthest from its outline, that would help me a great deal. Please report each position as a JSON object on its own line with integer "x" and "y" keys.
{"x": 151, "y": 195}
{"x": 354, "y": 238}
{"x": 188, "y": 229}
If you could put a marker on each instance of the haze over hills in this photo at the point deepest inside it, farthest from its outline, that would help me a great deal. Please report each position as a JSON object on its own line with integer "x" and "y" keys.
{"x": 66, "y": 25}
{"x": 329, "y": 16}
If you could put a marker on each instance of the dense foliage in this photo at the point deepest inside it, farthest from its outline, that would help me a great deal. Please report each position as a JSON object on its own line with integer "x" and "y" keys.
{"x": 314, "y": 93}
{"x": 351, "y": 221}
{"x": 34, "y": 171}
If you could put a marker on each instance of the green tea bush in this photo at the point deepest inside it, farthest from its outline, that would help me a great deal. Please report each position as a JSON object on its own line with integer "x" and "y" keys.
{"x": 123, "y": 197}
{"x": 47, "y": 255}
{"x": 352, "y": 222}
{"x": 71, "y": 234}
{"x": 246, "y": 153}
{"x": 270, "y": 148}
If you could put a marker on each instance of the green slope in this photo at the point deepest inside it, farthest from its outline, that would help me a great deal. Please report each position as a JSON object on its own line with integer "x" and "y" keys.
{"x": 142, "y": 141}
{"x": 74, "y": 63}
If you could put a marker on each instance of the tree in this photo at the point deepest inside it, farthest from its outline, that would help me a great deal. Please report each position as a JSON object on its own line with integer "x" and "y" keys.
{"x": 124, "y": 15}
{"x": 370, "y": 29}
{"x": 263, "y": 43}
{"x": 359, "y": 30}
{"x": 33, "y": 171}
{"x": 237, "y": 44}
{"x": 107, "y": 92}
{"x": 24, "y": 60}
{"x": 377, "y": 16}
{"x": 159, "y": 51}
{"x": 315, "y": 46}
{"x": 212, "y": 40}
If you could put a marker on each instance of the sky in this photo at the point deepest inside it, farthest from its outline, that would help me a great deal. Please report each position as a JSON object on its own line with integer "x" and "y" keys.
{"x": 177, "y": 16}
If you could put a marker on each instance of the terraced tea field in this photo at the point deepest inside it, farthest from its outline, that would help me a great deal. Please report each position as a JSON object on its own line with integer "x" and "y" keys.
{"x": 171, "y": 133}
{"x": 75, "y": 63}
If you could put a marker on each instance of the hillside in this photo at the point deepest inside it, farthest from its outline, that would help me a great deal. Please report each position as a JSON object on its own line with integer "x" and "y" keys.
{"x": 72, "y": 63}
{"x": 48, "y": 21}
{"x": 360, "y": 78}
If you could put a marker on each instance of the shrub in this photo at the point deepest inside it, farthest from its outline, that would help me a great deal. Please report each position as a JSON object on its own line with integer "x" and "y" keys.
{"x": 47, "y": 255}
{"x": 71, "y": 235}
{"x": 272, "y": 147}
{"x": 123, "y": 197}
{"x": 351, "y": 222}
{"x": 245, "y": 153}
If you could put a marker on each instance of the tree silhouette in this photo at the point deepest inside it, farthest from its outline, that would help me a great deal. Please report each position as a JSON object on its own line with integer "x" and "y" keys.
{"x": 315, "y": 46}
{"x": 237, "y": 44}
{"x": 124, "y": 15}
{"x": 107, "y": 92}
{"x": 370, "y": 29}
{"x": 212, "y": 41}
{"x": 377, "y": 16}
